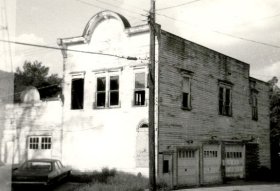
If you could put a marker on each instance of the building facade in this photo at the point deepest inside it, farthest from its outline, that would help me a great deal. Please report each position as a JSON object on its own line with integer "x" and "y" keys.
{"x": 211, "y": 117}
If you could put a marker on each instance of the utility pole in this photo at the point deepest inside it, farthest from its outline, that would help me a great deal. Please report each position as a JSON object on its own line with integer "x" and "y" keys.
{"x": 152, "y": 170}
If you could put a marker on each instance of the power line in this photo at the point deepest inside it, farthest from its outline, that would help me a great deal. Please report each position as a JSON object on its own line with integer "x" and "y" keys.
{"x": 223, "y": 33}
{"x": 179, "y": 5}
{"x": 72, "y": 50}
{"x": 127, "y": 10}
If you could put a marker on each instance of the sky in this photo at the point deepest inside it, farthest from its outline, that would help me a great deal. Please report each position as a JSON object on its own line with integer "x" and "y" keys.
{"x": 247, "y": 30}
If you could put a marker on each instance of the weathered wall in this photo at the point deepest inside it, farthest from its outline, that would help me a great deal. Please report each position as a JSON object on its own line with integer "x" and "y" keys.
{"x": 202, "y": 122}
{"x": 106, "y": 137}
{"x": 23, "y": 120}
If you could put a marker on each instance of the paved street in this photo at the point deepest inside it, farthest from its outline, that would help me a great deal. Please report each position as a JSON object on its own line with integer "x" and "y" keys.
{"x": 256, "y": 187}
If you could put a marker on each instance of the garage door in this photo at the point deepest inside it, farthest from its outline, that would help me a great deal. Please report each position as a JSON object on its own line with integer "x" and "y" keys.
{"x": 39, "y": 147}
{"x": 211, "y": 164}
{"x": 234, "y": 161}
{"x": 188, "y": 173}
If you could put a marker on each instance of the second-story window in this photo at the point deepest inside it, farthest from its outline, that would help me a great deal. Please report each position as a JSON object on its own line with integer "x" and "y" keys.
{"x": 114, "y": 91}
{"x": 101, "y": 92}
{"x": 77, "y": 93}
{"x": 254, "y": 107}
{"x": 107, "y": 90}
{"x": 139, "y": 91}
{"x": 186, "y": 93}
{"x": 225, "y": 103}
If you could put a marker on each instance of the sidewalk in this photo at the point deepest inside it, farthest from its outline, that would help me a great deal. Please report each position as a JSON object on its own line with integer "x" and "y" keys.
{"x": 253, "y": 187}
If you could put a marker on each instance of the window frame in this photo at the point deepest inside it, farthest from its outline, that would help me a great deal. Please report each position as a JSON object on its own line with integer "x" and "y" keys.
{"x": 77, "y": 76}
{"x": 144, "y": 89}
{"x": 254, "y": 105}
{"x": 40, "y": 145}
{"x": 189, "y": 97}
{"x": 113, "y": 91}
{"x": 225, "y": 87}
{"x": 101, "y": 92}
{"x": 107, "y": 75}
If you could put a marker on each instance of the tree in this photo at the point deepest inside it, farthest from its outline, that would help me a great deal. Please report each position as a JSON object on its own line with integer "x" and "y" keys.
{"x": 37, "y": 75}
{"x": 275, "y": 124}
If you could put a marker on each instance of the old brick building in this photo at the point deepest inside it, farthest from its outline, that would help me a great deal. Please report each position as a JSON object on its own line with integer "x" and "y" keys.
{"x": 212, "y": 118}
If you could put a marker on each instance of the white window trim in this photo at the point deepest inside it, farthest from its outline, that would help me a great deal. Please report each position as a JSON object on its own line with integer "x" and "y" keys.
{"x": 107, "y": 74}
{"x": 40, "y": 137}
{"x": 137, "y": 70}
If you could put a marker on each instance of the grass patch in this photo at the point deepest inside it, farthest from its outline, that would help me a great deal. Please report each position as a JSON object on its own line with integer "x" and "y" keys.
{"x": 109, "y": 180}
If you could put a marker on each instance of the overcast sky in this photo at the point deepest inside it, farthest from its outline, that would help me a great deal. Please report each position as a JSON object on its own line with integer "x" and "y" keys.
{"x": 247, "y": 30}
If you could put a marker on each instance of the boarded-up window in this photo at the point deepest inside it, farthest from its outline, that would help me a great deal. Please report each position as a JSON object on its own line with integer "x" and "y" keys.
{"x": 225, "y": 103}
{"x": 139, "y": 92}
{"x": 101, "y": 92}
{"x": 77, "y": 93}
{"x": 114, "y": 90}
{"x": 186, "y": 93}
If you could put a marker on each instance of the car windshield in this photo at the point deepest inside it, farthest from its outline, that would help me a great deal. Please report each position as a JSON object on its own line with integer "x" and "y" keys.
{"x": 36, "y": 165}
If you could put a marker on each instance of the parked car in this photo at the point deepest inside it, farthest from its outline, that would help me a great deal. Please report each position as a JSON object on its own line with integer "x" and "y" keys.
{"x": 39, "y": 172}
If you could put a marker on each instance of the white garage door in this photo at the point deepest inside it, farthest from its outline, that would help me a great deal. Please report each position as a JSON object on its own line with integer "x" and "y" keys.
{"x": 234, "y": 161}
{"x": 211, "y": 164}
{"x": 188, "y": 169}
{"x": 39, "y": 147}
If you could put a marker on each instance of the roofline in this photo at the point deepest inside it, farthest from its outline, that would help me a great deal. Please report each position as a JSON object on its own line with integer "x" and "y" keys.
{"x": 255, "y": 79}
{"x": 82, "y": 40}
{"x": 205, "y": 47}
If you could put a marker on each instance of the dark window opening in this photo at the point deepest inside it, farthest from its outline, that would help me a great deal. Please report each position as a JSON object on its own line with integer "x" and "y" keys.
{"x": 185, "y": 100}
{"x": 225, "y": 105}
{"x": 165, "y": 166}
{"x": 139, "y": 97}
{"x": 254, "y": 108}
{"x": 101, "y": 92}
{"x": 139, "y": 92}
{"x": 77, "y": 91}
{"x": 114, "y": 90}
{"x": 186, "y": 93}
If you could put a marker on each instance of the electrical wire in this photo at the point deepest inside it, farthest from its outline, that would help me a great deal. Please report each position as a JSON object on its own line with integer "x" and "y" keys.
{"x": 179, "y": 5}
{"x": 72, "y": 50}
{"x": 93, "y": 5}
{"x": 222, "y": 33}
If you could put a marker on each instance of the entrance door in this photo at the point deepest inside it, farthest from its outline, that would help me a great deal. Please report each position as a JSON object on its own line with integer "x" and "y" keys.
{"x": 167, "y": 170}
{"x": 212, "y": 164}
{"x": 188, "y": 167}
{"x": 235, "y": 161}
